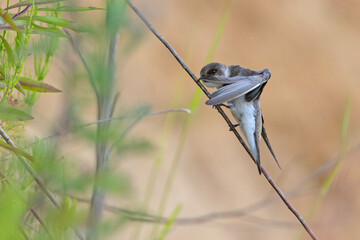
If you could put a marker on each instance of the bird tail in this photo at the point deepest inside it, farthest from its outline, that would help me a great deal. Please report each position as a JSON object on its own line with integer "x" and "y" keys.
{"x": 256, "y": 154}
{"x": 255, "y": 149}
{"x": 266, "y": 139}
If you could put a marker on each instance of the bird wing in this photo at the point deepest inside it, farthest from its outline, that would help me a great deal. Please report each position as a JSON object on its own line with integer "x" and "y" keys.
{"x": 266, "y": 139}
{"x": 255, "y": 94}
{"x": 223, "y": 80}
{"x": 240, "y": 85}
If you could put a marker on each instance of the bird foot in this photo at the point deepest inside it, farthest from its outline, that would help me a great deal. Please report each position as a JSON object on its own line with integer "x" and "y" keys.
{"x": 233, "y": 126}
{"x": 224, "y": 105}
{"x": 221, "y": 105}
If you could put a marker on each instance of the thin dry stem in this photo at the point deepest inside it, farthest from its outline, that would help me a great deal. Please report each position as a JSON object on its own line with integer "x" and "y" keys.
{"x": 226, "y": 118}
{"x": 202, "y": 219}
{"x": 183, "y": 110}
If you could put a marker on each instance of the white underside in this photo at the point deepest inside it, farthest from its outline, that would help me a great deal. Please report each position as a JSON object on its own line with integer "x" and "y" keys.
{"x": 212, "y": 84}
{"x": 244, "y": 113}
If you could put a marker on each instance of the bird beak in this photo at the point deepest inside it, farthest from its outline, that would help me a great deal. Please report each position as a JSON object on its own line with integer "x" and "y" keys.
{"x": 202, "y": 77}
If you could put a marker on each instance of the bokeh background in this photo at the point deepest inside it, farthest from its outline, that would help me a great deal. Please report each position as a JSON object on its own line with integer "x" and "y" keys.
{"x": 312, "y": 49}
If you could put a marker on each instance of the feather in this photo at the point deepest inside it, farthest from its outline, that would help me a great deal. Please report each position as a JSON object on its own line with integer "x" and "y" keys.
{"x": 241, "y": 85}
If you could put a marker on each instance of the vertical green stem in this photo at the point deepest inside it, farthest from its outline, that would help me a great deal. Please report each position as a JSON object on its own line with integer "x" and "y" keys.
{"x": 105, "y": 111}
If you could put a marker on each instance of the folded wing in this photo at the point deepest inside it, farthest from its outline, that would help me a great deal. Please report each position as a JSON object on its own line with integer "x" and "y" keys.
{"x": 238, "y": 86}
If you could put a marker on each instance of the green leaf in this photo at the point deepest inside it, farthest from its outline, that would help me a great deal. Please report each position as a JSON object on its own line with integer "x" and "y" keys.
{"x": 20, "y": 48}
{"x": 9, "y": 51}
{"x": 36, "y": 86}
{"x": 60, "y": 22}
{"x": 69, "y": 9}
{"x": 12, "y": 208}
{"x": 8, "y": 19}
{"x": 170, "y": 222}
{"x": 30, "y": 2}
{"x": 116, "y": 15}
{"x": 17, "y": 151}
{"x": 13, "y": 114}
{"x": 19, "y": 88}
{"x": 52, "y": 32}
{"x": 2, "y": 70}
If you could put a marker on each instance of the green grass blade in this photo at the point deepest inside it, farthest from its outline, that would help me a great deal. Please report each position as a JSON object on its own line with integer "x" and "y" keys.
{"x": 346, "y": 120}
{"x": 57, "y": 21}
{"x": 13, "y": 114}
{"x": 329, "y": 181}
{"x": 16, "y": 150}
{"x": 52, "y": 32}
{"x": 9, "y": 51}
{"x": 37, "y": 86}
{"x": 219, "y": 31}
{"x": 30, "y": 2}
{"x": 170, "y": 222}
{"x": 69, "y": 9}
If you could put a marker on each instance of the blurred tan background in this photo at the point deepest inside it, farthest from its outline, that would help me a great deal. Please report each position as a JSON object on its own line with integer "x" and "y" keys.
{"x": 312, "y": 49}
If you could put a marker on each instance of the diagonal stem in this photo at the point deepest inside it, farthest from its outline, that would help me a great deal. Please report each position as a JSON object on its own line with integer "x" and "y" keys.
{"x": 226, "y": 118}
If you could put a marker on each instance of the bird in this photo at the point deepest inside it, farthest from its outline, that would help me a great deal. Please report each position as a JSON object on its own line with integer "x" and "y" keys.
{"x": 241, "y": 88}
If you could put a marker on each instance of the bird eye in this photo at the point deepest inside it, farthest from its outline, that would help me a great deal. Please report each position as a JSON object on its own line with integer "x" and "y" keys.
{"x": 212, "y": 71}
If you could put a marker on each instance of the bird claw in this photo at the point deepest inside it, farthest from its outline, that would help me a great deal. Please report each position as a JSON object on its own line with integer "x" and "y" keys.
{"x": 221, "y": 105}
{"x": 224, "y": 105}
{"x": 232, "y": 127}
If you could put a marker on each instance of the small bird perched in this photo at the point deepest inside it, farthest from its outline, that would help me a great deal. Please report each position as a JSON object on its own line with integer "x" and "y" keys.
{"x": 241, "y": 88}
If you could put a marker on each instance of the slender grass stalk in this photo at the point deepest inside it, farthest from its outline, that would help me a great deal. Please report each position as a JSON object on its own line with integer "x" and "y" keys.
{"x": 343, "y": 152}
{"x": 154, "y": 171}
{"x": 169, "y": 223}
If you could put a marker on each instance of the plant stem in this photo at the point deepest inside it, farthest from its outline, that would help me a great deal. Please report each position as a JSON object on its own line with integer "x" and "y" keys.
{"x": 106, "y": 102}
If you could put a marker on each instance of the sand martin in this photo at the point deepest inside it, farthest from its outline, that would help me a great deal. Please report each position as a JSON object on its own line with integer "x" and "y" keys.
{"x": 241, "y": 88}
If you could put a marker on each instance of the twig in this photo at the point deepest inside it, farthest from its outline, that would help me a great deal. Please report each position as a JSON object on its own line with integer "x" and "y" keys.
{"x": 201, "y": 219}
{"x": 22, "y": 12}
{"x": 6, "y": 137}
{"x": 84, "y": 62}
{"x": 32, "y": 228}
{"x": 7, "y": 27}
{"x": 222, "y": 113}
{"x": 37, "y": 216}
{"x": 185, "y": 110}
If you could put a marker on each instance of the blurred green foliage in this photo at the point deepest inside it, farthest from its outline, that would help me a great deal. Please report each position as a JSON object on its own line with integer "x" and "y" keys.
{"x": 39, "y": 193}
